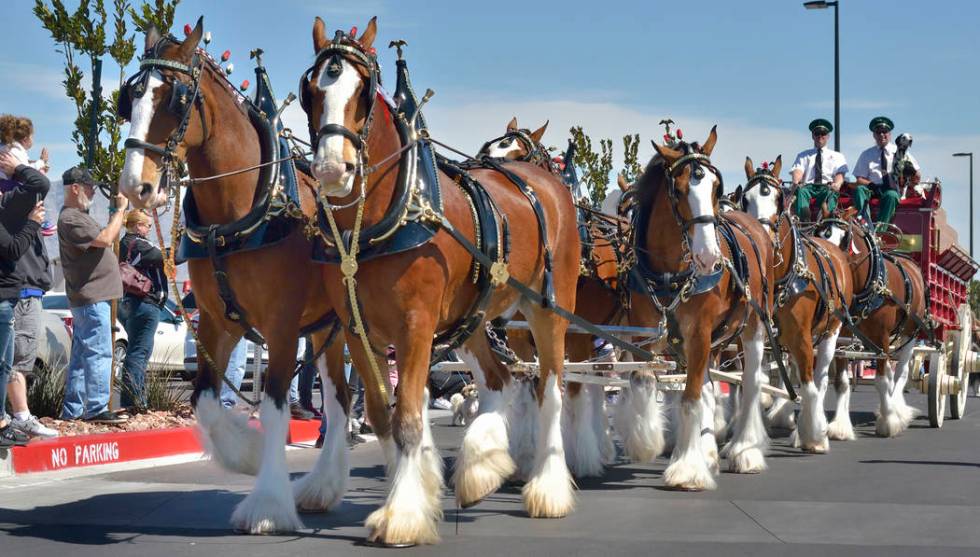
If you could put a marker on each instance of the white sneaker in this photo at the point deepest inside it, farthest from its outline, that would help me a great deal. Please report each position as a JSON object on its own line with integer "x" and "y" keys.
{"x": 33, "y": 427}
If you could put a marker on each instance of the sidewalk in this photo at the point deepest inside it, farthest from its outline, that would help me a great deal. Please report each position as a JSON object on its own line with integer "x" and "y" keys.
{"x": 117, "y": 447}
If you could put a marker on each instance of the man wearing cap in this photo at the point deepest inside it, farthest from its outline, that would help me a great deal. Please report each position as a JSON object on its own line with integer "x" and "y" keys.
{"x": 91, "y": 281}
{"x": 818, "y": 173}
{"x": 873, "y": 172}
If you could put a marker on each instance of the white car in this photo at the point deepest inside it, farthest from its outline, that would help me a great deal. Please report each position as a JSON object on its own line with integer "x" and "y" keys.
{"x": 168, "y": 343}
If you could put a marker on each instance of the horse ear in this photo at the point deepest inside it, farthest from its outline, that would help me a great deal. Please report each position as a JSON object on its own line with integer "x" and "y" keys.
{"x": 537, "y": 134}
{"x": 777, "y": 166}
{"x": 669, "y": 155}
{"x": 512, "y": 125}
{"x": 622, "y": 183}
{"x": 189, "y": 45}
{"x": 152, "y": 37}
{"x": 737, "y": 194}
{"x": 749, "y": 167}
{"x": 709, "y": 144}
{"x": 319, "y": 35}
{"x": 370, "y": 32}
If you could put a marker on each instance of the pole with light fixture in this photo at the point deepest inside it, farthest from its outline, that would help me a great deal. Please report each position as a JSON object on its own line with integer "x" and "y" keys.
{"x": 822, "y": 5}
{"x": 971, "y": 196}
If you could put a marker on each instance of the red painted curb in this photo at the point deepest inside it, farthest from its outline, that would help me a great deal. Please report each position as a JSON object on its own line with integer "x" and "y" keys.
{"x": 126, "y": 446}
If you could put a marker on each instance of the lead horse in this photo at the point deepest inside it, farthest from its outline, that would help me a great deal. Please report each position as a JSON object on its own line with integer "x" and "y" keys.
{"x": 409, "y": 295}
{"x": 181, "y": 107}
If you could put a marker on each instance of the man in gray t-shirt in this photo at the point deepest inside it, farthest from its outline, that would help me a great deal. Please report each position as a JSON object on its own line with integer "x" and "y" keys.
{"x": 91, "y": 281}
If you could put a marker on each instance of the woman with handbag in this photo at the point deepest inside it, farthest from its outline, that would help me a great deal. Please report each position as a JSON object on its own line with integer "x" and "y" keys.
{"x": 145, "y": 287}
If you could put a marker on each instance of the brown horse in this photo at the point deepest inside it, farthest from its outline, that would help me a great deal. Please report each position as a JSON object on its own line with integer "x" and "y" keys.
{"x": 585, "y": 426}
{"x": 709, "y": 291}
{"x": 278, "y": 287}
{"x": 410, "y": 295}
{"x": 807, "y": 269}
{"x": 892, "y": 317}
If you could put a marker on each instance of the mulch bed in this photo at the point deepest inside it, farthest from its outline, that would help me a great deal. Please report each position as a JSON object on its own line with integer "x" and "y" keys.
{"x": 183, "y": 416}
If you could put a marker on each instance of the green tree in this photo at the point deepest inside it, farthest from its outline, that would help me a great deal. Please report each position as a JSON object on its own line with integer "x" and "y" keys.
{"x": 595, "y": 166}
{"x": 631, "y": 164}
{"x": 80, "y": 35}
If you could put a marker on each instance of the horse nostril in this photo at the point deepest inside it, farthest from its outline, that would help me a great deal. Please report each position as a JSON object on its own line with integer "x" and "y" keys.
{"x": 146, "y": 188}
{"x": 349, "y": 166}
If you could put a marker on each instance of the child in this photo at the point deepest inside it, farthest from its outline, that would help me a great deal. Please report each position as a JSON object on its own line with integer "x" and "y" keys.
{"x": 16, "y": 137}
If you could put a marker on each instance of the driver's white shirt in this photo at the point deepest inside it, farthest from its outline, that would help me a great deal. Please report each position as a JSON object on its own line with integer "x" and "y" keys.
{"x": 833, "y": 163}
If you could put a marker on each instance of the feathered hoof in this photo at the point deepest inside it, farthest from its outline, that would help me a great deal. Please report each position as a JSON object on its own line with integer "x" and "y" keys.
{"x": 314, "y": 495}
{"x": 781, "y": 415}
{"x": 821, "y": 446}
{"x": 401, "y": 528}
{"x": 906, "y": 413}
{"x": 480, "y": 475}
{"x": 690, "y": 474}
{"x": 550, "y": 495}
{"x": 266, "y": 513}
{"x": 889, "y": 425}
{"x": 841, "y": 430}
{"x": 746, "y": 461}
{"x": 712, "y": 459}
{"x": 227, "y": 437}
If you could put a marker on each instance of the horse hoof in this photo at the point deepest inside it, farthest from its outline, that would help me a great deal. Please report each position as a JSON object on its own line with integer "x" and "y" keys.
{"x": 889, "y": 425}
{"x": 840, "y": 431}
{"x": 689, "y": 476}
{"x": 748, "y": 461}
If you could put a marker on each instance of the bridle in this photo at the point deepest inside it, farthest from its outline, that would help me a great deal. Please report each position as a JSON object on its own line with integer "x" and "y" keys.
{"x": 698, "y": 162}
{"x": 342, "y": 48}
{"x": 183, "y": 98}
{"x": 534, "y": 152}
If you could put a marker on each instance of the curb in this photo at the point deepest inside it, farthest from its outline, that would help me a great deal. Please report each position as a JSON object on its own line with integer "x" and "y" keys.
{"x": 127, "y": 446}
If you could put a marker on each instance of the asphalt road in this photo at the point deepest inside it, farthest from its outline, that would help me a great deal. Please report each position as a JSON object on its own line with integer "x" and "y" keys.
{"x": 914, "y": 495}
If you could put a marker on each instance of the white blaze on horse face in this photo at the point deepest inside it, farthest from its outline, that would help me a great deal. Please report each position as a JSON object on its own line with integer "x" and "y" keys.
{"x": 140, "y": 185}
{"x": 704, "y": 243}
{"x": 501, "y": 148}
{"x": 330, "y": 166}
{"x": 761, "y": 206}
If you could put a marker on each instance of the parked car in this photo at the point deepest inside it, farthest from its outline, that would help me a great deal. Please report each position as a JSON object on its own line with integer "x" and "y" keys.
{"x": 168, "y": 344}
{"x": 53, "y": 342}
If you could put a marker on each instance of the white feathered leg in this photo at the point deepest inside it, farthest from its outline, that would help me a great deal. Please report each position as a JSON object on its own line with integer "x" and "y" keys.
{"x": 227, "y": 437}
{"x": 688, "y": 468}
{"x": 582, "y": 452}
{"x": 550, "y": 491}
{"x": 600, "y": 423}
{"x": 270, "y": 507}
{"x": 905, "y": 412}
{"x": 841, "y": 428}
{"x": 324, "y": 487}
{"x": 412, "y": 512}
{"x": 889, "y": 422}
{"x": 484, "y": 460}
{"x": 813, "y": 419}
{"x": 745, "y": 452}
{"x": 639, "y": 420}
{"x": 709, "y": 445}
{"x": 522, "y": 421}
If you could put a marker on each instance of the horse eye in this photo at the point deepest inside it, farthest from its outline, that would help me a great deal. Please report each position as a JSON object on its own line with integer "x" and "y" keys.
{"x": 699, "y": 173}
{"x": 506, "y": 143}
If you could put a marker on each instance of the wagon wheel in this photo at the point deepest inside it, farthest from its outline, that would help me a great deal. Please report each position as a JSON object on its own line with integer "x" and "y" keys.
{"x": 957, "y": 362}
{"x": 936, "y": 377}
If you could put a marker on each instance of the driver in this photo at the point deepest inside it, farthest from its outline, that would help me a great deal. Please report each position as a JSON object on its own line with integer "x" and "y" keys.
{"x": 874, "y": 170}
{"x": 818, "y": 173}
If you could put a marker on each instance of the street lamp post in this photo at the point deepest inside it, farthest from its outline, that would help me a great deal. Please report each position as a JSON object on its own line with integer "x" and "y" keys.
{"x": 971, "y": 196}
{"x": 822, "y": 5}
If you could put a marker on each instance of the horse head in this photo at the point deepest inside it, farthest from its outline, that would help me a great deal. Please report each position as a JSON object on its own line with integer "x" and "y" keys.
{"x": 762, "y": 196}
{"x": 339, "y": 93}
{"x": 516, "y": 143}
{"x": 164, "y": 104}
{"x": 693, "y": 187}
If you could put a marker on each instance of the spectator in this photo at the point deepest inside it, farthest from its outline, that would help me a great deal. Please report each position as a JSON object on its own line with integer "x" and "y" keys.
{"x": 33, "y": 272}
{"x": 140, "y": 315}
{"x": 91, "y": 281}
{"x": 15, "y": 239}
{"x": 236, "y": 362}
{"x": 300, "y": 385}
{"x": 17, "y": 137}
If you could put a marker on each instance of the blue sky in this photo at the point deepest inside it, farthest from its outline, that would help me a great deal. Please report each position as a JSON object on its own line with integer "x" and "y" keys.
{"x": 760, "y": 69}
